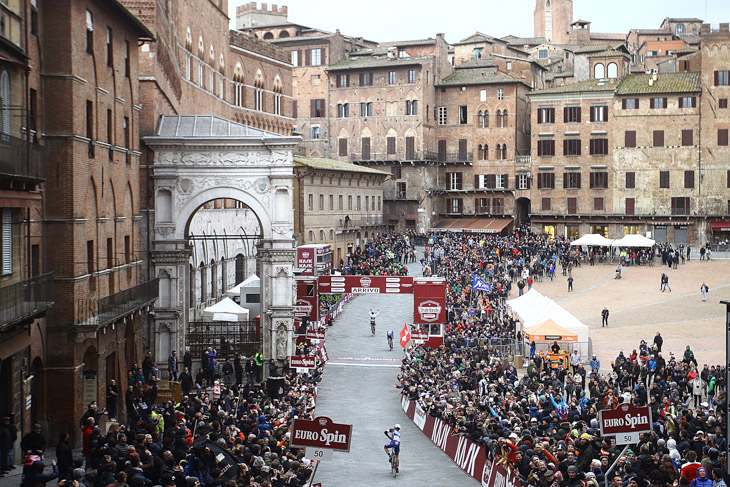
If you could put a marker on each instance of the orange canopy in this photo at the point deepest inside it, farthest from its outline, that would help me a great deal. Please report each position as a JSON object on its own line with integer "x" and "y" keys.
{"x": 549, "y": 331}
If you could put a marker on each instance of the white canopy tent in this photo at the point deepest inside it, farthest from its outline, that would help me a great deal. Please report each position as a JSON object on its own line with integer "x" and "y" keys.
{"x": 251, "y": 281}
{"x": 592, "y": 240}
{"x": 225, "y": 310}
{"x": 633, "y": 241}
{"x": 534, "y": 308}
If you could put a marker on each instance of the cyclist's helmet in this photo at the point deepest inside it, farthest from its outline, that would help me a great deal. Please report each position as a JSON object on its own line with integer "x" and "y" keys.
{"x": 397, "y": 426}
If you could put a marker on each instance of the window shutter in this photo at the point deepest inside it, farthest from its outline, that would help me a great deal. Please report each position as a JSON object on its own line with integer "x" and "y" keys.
{"x": 529, "y": 177}
{"x": 491, "y": 181}
{"x": 551, "y": 180}
{"x": 343, "y": 147}
{"x": 312, "y": 108}
{"x": 542, "y": 175}
{"x": 630, "y": 180}
{"x": 694, "y": 102}
{"x": 686, "y": 205}
{"x": 565, "y": 147}
{"x": 539, "y": 115}
{"x": 578, "y": 181}
{"x": 578, "y": 115}
{"x": 565, "y": 180}
{"x": 664, "y": 102}
{"x": 674, "y": 206}
{"x": 337, "y": 78}
{"x": 308, "y": 58}
{"x": 689, "y": 179}
{"x": 476, "y": 182}
{"x": 7, "y": 241}
{"x": 722, "y": 137}
{"x": 593, "y": 114}
{"x": 651, "y": 102}
{"x": 728, "y": 178}
{"x": 565, "y": 114}
{"x": 623, "y": 104}
{"x": 636, "y": 103}
{"x": 299, "y": 57}
{"x": 366, "y": 148}
{"x": 361, "y": 78}
{"x": 459, "y": 181}
{"x": 592, "y": 179}
{"x": 391, "y": 145}
{"x": 462, "y": 148}
{"x": 410, "y": 148}
{"x": 592, "y": 147}
{"x": 551, "y": 147}
{"x": 717, "y": 78}
{"x": 687, "y": 138}
{"x": 505, "y": 178}
{"x": 630, "y": 206}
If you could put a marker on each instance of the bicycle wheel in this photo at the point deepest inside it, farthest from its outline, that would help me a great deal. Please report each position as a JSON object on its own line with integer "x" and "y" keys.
{"x": 393, "y": 467}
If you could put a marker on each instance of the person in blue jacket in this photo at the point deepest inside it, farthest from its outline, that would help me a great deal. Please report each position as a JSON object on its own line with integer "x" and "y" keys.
{"x": 33, "y": 474}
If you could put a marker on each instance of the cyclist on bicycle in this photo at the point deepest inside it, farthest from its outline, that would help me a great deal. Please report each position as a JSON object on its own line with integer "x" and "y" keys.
{"x": 373, "y": 314}
{"x": 389, "y": 335}
{"x": 394, "y": 435}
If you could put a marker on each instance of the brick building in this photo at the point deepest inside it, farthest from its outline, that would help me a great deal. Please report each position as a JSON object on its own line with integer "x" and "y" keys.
{"x": 91, "y": 109}
{"x": 26, "y": 285}
{"x": 552, "y": 20}
{"x": 337, "y": 203}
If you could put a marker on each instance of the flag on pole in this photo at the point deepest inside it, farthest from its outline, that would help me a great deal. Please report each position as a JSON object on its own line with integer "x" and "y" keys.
{"x": 479, "y": 285}
{"x": 405, "y": 335}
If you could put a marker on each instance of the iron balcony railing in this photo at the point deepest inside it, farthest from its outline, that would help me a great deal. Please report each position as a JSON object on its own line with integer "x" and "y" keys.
{"x": 25, "y": 300}
{"x": 21, "y": 159}
{"x": 102, "y": 311}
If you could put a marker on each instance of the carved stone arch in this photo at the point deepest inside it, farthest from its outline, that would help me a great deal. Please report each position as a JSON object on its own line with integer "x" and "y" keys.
{"x": 366, "y": 132}
{"x": 189, "y": 40}
{"x": 343, "y": 134}
{"x": 411, "y": 132}
{"x": 391, "y": 132}
{"x": 113, "y": 198}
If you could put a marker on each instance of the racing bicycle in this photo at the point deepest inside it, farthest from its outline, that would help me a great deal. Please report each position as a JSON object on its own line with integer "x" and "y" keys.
{"x": 393, "y": 464}
{"x": 390, "y": 341}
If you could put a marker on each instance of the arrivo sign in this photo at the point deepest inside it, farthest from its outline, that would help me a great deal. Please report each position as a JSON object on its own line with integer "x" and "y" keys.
{"x": 625, "y": 419}
{"x": 302, "y": 362}
{"x": 365, "y": 285}
{"x": 321, "y": 433}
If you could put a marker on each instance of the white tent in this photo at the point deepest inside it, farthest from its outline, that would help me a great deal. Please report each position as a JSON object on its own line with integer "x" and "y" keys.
{"x": 592, "y": 239}
{"x": 534, "y": 308}
{"x": 633, "y": 241}
{"x": 251, "y": 281}
{"x": 225, "y": 308}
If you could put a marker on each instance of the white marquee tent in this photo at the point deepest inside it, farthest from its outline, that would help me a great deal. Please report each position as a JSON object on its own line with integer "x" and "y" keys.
{"x": 534, "y": 308}
{"x": 251, "y": 281}
{"x": 225, "y": 310}
{"x": 633, "y": 241}
{"x": 592, "y": 240}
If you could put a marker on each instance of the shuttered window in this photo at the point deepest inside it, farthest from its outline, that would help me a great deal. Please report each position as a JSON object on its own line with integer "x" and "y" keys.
{"x": 663, "y": 179}
{"x": 572, "y": 206}
{"x": 571, "y": 180}
{"x": 599, "y": 180}
{"x": 630, "y": 206}
{"x": 410, "y": 148}
{"x": 343, "y": 147}
{"x": 689, "y": 179}
{"x": 658, "y": 138}
{"x": 7, "y": 241}
{"x": 598, "y": 147}
{"x": 687, "y": 138}
{"x": 365, "y": 148}
{"x": 630, "y": 180}
{"x": 722, "y": 138}
{"x": 546, "y": 204}
{"x": 630, "y": 138}
{"x": 571, "y": 114}
{"x": 462, "y": 150}
{"x": 546, "y": 180}
{"x": 391, "y": 145}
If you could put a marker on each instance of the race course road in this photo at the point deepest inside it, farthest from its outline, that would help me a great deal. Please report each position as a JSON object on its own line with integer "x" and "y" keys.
{"x": 358, "y": 388}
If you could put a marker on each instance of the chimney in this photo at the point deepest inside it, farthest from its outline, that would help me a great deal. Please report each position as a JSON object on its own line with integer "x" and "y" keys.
{"x": 654, "y": 75}
{"x": 651, "y": 81}
{"x": 284, "y": 10}
{"x": 391, "y": 53}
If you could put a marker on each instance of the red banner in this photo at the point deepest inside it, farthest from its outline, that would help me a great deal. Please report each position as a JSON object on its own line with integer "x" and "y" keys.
{"x": 365, "y": 285}
{"x": 419, "y": 335}
{"x": 317, "y": 334}
{"x": 467, "y": 455}
{"x": 429, "y": 300}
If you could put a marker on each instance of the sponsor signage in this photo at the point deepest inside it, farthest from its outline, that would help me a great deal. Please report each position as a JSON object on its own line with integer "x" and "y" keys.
{"x": 307, "y": 303}
{"x": 321, "y": 432}
{"x": 467, "y": 455}
{"x": 305, "y": 261}
{"x": 429, "y": 301}
{"x": 419, "y": 335}
{"x": 316, "y": 334}
{"x": 302, "y": 362}
{"x": 625, "y": 419}
{"x": 365, "y": 284}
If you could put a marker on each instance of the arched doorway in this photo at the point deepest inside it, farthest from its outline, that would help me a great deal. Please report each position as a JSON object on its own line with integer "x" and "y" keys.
{"x": 199, "y": 159}
{"x": 522, "y": 210}
{"x": 240, "y": 268}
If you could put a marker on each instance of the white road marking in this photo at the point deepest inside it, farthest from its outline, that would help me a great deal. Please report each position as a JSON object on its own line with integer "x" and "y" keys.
{"x": 363, "y": 365}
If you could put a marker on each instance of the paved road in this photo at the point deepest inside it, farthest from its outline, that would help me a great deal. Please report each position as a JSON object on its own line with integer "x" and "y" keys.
{"x": 357, "y": 388}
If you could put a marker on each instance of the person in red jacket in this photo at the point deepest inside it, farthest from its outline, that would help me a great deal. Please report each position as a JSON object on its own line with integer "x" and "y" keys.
{"x": 689, "y": 469}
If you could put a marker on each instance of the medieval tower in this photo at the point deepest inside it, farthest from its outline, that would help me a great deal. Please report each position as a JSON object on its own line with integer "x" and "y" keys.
{"x": 553, "y": 19}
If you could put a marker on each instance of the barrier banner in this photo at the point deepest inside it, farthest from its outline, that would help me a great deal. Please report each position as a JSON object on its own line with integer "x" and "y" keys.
{"x": 467, "y": 455}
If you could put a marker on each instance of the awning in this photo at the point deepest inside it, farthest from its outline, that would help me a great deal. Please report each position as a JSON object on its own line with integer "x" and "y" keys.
{"x": 472, "y": 225}
{"x": 721, "y": 226}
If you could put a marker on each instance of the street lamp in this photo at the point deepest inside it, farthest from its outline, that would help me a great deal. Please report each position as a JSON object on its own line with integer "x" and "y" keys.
{"x": 727, "y": 377}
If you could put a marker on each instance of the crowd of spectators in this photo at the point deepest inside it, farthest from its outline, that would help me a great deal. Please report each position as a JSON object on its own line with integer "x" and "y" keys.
{"x": 544, "y": 421}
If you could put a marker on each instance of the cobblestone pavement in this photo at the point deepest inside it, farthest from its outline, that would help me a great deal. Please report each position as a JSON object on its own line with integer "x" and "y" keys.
{"x": 638, "y": 309}
{"x": 358, "y": 388}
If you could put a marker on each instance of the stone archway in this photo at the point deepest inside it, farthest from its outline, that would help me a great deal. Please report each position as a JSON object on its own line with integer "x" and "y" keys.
{"x": 203, "y": 158}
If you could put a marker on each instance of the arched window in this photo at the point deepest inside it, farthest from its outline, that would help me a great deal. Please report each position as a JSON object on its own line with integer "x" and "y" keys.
{"x": 259, "y": 91}
{"x": 268, "y": 36}
{"x": 203, "y": 283}
{"x": 277, "y": 95}
{"x": 613, "y": 70}
{"x": 213, "y": 279}
{"x": 283, "y": 34}
{"x": 599, "y": 71}
{"x": 311, "y": 236}
{"x": 480, "y": 119}
{"x": 680, "y": 29}
{"x": 5, "y": 102}
{"x": 486, "y": 119}
{"x": 238, "y": 86}
{"x": 503, "y": 153}
{"x": 332, "y": 234}
{"x": 321, "y": 235}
